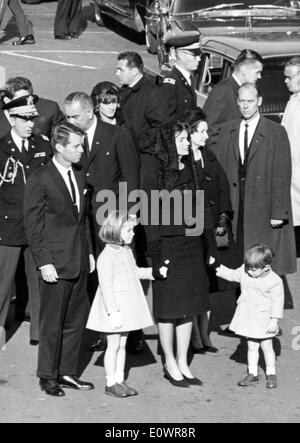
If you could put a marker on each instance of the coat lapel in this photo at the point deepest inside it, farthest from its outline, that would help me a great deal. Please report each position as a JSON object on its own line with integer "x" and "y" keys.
{"x": 235, "y": 140}
{"x": 96, "y": 143}
{"x": 257, "y": 139}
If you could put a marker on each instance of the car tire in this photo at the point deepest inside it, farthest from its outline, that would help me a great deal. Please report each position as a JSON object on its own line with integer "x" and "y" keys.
{"x": 99, "y": 19}
{"x": 151, "y": 41}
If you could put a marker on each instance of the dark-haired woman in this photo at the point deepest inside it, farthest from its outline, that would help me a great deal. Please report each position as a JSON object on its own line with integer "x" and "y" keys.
{"x": 106, "y": 97}
{"x": 185, "y": 292}
{"x": 212, "y": 179}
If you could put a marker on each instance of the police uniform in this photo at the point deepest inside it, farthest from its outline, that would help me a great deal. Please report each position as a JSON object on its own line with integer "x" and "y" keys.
{"x": 16, "y": 164}
{"x": 177, "y": 85}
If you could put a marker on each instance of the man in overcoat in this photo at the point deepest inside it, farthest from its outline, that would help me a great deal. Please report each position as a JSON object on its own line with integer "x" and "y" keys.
{"x": 55, "y": 219}
{"x": 255, "y": 154}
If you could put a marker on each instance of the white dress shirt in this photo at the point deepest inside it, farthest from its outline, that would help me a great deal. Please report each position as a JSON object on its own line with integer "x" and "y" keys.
{"x": 186, "y": 74}
{"x": 64, "y": 173}
{"x": 291, "y": 122}
{"x": 252, "y": 125}
{"x": 91, "y": 133}
{"x": 19, "y": 140}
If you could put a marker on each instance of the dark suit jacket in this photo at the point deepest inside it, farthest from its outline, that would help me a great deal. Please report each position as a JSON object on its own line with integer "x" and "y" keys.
{"x": 12, "y": 193}
{"x": 221, "y": 107}
{"x": 113, "y": 159}
{"x": 50, "y": 115}
{"x": 267, "y": 188}
{"x": 56, "y": 233}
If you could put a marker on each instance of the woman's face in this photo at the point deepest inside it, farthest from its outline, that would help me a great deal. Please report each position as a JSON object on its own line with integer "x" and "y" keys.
{"x": 182, "y": 143}
{"x": 108, "y": 110}
{"x": 200, "y": 136}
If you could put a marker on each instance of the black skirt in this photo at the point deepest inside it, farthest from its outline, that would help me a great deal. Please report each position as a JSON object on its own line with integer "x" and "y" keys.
{"x": 185, "y": 292}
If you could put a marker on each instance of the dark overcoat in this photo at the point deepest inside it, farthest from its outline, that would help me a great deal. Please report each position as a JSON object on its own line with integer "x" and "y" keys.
{"x": 221, "y": 107}
{"x": 267, "y": 188}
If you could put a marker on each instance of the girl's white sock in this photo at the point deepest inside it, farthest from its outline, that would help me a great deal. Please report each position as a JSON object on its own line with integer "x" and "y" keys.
{"x": 271, "y": 370}
{"x": 110, "y": 380}
{"x": 119, "y": 377}
{"x": 253, "y": 370}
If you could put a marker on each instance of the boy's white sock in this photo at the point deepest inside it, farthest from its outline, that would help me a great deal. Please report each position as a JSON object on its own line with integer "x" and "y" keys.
{"x": 271, "y": 371}
{"x": 119, "y": 377}
{"x": 110, "y": 380}
{"x": 253, "y": 370}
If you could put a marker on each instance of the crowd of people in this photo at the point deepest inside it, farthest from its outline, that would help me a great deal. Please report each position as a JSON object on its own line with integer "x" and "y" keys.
{"x": 152, "y": 137}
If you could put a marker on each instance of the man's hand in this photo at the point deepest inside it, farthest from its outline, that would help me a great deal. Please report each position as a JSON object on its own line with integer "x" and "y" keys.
{"x": 273, "y": 326}
{"x": 276, "y": 223}
{"x": 49, "y": 274}
{"x": 116, "y": 320}
{"x": 92, "y": 264}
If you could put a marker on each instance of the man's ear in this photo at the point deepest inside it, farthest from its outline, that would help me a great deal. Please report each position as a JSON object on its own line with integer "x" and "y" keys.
{"x": 260, "y": 99}
{"x": 59, "y": 147}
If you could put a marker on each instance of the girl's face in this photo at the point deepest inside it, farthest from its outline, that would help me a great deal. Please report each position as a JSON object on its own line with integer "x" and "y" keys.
{"x": 257, "y": 272}
{"x": 127, "y": 232}
{"x": 200, "y": 136}
{"x": 182, "y": 143}
{"x": 108, "y": 110}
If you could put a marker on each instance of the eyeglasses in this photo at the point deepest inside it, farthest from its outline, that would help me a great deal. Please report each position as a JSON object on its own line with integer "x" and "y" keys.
{"x": 26, "y": 118}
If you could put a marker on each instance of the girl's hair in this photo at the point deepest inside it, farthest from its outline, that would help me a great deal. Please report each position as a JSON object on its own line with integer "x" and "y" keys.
{"x": 193, "y": 117}
{"x": 110, "y": 231}
{"x": 258, "y": 257}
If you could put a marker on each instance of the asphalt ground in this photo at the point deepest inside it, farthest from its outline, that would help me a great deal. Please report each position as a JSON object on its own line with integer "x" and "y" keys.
{"x": 57, "y": 68}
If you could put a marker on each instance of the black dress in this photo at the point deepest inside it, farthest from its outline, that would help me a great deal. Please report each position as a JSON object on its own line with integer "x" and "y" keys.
{"x": 185, "y": 292}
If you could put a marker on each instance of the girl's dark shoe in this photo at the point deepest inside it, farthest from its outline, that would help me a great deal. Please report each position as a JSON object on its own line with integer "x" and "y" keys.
{"x": 179, "y": 383}
{"x": 193, "y": 381}
{"x": 211, "y": 349}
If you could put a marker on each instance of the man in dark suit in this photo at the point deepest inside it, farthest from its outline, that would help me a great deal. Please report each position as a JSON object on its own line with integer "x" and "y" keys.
{"x": 110, "y": 156}
{"x": 221, "y": 104}
{"x": 67, "y": 19}
{"x": 21, "y": 153}
{"x": 57, "y": 230}
{"x": 23, "y": 24}
{"x": 255, "y": 155}
{"x": 49, "y": 112}
{"x": 178, "y": 84}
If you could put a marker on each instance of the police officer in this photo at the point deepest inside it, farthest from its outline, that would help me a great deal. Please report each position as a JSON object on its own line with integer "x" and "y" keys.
{"x": 178, "y": 84}
{"x": 21, "y": 153}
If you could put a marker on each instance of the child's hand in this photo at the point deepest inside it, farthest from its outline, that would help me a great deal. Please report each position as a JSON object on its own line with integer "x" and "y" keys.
{"x": 273, "y": 326}
{"x": 164, "y": 269}
{"x": 116, "y": 320}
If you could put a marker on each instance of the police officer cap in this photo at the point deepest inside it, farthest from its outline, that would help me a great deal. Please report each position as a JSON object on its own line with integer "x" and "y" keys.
{"x": 188, "y": 40}
{"x": 22, "y": 105}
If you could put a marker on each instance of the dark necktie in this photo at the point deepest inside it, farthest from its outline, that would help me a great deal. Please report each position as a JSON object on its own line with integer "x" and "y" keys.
{"x": 23, "y": 147}
{"x": 246, "y": 142}
{"x": 72, "y": 190}
{"x": 86, "y": 145}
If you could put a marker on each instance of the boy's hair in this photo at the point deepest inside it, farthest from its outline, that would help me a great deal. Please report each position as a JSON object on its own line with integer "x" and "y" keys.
{"x": 258, "y": 257}
{"x": 110, "y": 231}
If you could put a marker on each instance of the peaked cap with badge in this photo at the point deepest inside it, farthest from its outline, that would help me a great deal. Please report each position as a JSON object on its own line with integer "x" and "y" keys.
{"x": 187, "y": 40}
{"x": 24, "y": 105}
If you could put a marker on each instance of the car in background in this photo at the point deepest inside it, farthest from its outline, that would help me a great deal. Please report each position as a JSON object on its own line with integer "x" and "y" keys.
{"x": 220, "y": 52}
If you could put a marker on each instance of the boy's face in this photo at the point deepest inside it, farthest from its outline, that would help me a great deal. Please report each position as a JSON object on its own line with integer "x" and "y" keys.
{"x": 257, "y": 272}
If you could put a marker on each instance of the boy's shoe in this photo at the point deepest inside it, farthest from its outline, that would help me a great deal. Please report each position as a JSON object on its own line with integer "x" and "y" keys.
{"x": 117, "y": 390}
{"x": 249, "y": 380}
{"x": 271, "y": 381}
{"x": 129, "y": 390}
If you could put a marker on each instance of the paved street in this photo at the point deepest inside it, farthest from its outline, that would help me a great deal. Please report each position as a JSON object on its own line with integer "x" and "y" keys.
{"x": 57, "y": 68}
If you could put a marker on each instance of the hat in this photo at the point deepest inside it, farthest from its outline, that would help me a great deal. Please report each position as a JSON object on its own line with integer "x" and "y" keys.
{"x": 188, "y": 40}
{"x": 22, "y": 105}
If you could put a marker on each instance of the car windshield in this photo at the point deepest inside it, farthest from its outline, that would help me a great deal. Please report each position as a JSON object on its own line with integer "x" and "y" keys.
{"x": 181, "y": 6}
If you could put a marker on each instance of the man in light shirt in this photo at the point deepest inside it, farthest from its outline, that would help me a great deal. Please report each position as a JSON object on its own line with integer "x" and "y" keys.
{"x": 290, "y": 121}
{"x": 255, "y": 154}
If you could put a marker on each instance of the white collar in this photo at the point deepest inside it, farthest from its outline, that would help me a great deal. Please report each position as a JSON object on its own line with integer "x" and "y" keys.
{"x": 186, "y": 74}
{"x": 62, "y": 169}
{"x": 18, "y": 140}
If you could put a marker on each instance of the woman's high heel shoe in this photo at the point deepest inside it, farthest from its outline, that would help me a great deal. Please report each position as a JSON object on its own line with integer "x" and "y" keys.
{"x": 193, "y": 381}
{"x": 179, "y": 383}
